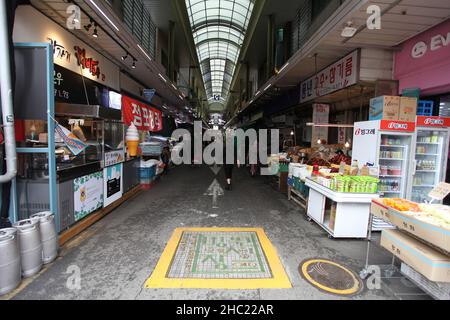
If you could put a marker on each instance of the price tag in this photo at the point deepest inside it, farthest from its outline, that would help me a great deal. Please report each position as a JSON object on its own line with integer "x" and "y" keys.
{"x": 440, "y": 191}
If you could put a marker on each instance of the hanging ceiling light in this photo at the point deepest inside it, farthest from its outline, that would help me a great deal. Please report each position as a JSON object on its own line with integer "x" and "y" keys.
{"x": 134, "y": 64}
{"x": 89, "y": 26}
{"x": 347, "y": 144}
{"x": 349, "y": 30}
{"x": 95, "y": 34}
{"x": 125, "y": 57}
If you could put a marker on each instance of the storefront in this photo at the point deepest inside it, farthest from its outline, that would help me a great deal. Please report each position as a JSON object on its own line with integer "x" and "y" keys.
{"x": 73, "y": 155}
{"x": 424, "y": 63}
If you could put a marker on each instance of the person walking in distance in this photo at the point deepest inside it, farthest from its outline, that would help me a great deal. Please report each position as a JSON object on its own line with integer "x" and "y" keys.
{"x": 231, "y": 159}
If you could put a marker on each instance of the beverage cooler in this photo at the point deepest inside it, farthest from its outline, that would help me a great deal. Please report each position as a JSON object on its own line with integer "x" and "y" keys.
{"x": 386, "y": 145}
{"x": 429, "y": 159}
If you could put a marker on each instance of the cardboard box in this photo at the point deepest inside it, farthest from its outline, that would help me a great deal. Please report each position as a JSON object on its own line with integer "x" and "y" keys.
{"x": 384, "y": 108}
{"x": 408, "y": 109}
{"x": 434, "y": 235}
{"x": 379, "y": 210}
{"x": 434, "y": 265}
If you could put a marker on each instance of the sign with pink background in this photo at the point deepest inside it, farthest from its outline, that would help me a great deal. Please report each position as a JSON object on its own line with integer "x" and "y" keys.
{"x": 424, "y": 61}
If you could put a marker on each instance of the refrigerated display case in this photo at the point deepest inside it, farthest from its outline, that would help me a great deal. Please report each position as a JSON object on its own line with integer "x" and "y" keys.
{"x": 429, "y": 160}
{"x": 386, "y": 145}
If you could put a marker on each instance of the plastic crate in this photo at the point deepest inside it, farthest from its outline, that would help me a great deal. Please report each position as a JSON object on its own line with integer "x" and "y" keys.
{"x": 425, "y": 108}
{"x": 147, "y": 174}
{"x": 151, "y": 148}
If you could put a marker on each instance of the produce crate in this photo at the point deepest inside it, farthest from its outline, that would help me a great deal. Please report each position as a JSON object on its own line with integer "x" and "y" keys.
{"x": 425, "y": 108}
{"x": 284, "y": 167}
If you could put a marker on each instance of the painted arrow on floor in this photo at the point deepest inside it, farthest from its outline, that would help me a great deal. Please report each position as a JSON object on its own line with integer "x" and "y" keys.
{"x": 215, "y": 169}
{"x": 215, "y": 190}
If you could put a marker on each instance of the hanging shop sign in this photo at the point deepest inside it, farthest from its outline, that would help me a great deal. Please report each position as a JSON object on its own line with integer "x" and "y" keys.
{"x": 69, "y": 51}
{"x": 424, "y": 61}
{"x": 88, "y": 196}
{"x": 69, "y": 88}
{"x": 399, "y": 126}
{"x": 436, "y": 122}
{"x": 113, "y": 184}
{"x": 144, "y": 117}
{"x": 321, "y": 115}
{"x": 149, "y": 94}
{"x": 339, "y": 75}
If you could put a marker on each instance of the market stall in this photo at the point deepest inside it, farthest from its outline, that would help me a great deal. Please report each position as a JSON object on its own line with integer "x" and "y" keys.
{"x": 421, "y": 241}
{"x": 341, "y": 206}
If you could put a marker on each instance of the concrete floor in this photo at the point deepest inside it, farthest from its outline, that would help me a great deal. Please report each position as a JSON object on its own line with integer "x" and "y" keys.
{"x": 118, "y": 254}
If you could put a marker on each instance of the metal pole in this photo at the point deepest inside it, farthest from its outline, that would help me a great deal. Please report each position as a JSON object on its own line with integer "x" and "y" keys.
{"x": 7, "y": 98}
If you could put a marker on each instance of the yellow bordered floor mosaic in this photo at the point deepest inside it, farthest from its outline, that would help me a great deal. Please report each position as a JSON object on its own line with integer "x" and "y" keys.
{"x": 219, "y": 258}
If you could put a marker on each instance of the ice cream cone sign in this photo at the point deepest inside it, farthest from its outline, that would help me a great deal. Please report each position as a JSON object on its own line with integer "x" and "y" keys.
{"x": 132, "y": 138}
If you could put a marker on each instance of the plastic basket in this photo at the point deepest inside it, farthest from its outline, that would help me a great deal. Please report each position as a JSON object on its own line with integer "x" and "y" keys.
{"x": 425, "y": 108}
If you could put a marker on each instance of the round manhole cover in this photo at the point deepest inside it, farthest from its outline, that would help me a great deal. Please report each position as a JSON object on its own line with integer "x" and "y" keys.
{"x": 330, "y": 277}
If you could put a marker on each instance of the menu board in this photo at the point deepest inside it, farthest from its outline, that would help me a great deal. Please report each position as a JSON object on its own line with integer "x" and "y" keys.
{"x": 113, "y": 184}
{"x": 88, "y": 196}
{"x": 69, "y": 88}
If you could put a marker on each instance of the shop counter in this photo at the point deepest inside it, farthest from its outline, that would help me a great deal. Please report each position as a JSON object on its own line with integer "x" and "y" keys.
{"x": 342, "y": 215}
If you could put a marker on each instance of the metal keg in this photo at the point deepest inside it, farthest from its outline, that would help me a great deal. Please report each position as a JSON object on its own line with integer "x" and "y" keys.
{"x": 30, "y": 246}
{"x": 49, "y": 237}
{"x": 10, "y": 270}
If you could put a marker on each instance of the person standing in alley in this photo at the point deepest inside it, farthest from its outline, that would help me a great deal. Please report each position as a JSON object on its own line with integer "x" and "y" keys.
{"x": 231, "y": 158}
{"x": 165, "y": 158}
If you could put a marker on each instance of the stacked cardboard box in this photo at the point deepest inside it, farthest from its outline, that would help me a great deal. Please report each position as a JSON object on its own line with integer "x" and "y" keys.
{"x": 393, "y": 108}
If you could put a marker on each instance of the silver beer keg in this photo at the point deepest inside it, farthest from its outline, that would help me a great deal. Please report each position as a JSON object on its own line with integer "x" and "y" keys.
{"x": 49, "y": 237}
{"x": 10, "y": 269}
{"x": 30, "y": 246}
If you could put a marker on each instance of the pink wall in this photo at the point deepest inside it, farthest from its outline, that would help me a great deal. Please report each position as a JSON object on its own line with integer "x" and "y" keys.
{"x": 424, "y": 61}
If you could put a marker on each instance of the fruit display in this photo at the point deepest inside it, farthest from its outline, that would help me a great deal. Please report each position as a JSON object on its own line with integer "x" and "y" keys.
{"x": 354, "y": 184}
{"x": 318, "y": 162}
{"x": 437, "y": 215}
{"x": 338, "y": 159}
{"x": 402, "y": 205}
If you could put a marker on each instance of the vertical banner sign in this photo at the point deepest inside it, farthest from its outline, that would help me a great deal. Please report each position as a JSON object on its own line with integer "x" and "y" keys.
{"x": 113, "y": 184}
{"x": 339, "y": 75}
{"x": 75, "y": 145}
{"x": 321, "y": 115}
{"x": 144, "y": 117}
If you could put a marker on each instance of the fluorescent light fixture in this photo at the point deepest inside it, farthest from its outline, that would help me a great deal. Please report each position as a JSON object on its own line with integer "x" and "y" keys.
{"x": 174, "y": 86}
{"x": 181, "y": 97}
{"x": 284, "y": 67}
{"x": 106, "y": 17}
{"x": 145, "y": 53}
{"x": 258, "y": 92}
{"x": 266, "y": 88}
{"x": 442, "y": 104}
{"x": 349, "y": 31}
{"x": 161, "y": 76}
{"x": 251, "y": 101}
{"x": 329, "y": 125}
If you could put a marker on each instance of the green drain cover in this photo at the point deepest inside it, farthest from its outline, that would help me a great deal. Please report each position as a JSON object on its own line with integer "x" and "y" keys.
{"x": 330, "y": 277}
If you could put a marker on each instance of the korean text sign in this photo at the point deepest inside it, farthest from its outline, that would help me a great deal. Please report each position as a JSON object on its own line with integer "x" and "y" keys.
{"x": 144, "y": 117}
{"x": 339, "y": 75}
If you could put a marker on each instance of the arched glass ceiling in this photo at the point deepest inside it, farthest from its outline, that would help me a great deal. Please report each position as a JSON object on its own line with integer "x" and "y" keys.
{"x": 219, "y": 28}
